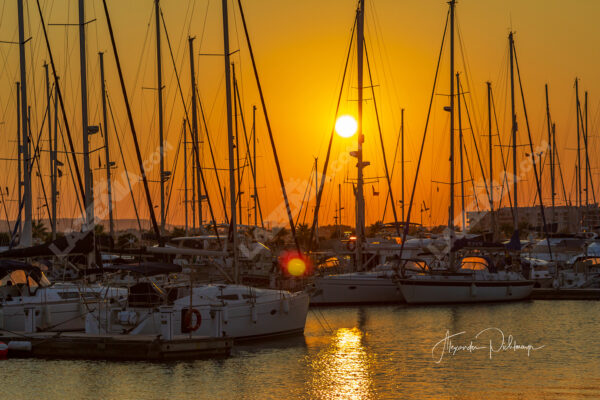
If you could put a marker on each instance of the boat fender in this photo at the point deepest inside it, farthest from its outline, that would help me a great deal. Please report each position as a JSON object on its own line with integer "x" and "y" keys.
{"x": 19, "y": 345}
{"x": 187, "y": 322}
{"x": 509, "y": 290}
{"x": 1, "y": 318}
{"x": 225, "y": 315}
{"x": 555, "y": 284}
{"x": 473, "y": 290}
{"x": 254, "y": 315}
{"x": 46, "y": 318}
{"x": 286, "y": 305}
{"x": 3, "y": 351}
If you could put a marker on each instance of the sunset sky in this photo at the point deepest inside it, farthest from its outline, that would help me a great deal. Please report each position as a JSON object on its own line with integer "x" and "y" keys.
{"x": 300, "y": 49}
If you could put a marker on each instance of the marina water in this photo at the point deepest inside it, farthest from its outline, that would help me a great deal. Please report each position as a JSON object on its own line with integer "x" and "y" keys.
{"x": 368, "y": 352}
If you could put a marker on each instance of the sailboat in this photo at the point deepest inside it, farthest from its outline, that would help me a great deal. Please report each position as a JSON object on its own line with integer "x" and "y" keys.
{"x": 472, "y": 278}
{"x": 374, "y": 286}
{"x": 232, "y": 310}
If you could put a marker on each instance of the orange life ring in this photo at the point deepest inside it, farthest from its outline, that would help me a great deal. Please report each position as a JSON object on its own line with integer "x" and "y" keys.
{"x": 187, "y": 321}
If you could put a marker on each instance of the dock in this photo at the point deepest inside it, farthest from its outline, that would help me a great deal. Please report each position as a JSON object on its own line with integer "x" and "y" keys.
{"x": 566, "y": 294}
{"x": 78, "y": 345}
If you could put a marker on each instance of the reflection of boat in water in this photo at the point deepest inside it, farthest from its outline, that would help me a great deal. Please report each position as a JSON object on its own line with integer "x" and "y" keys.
{"x": 29, "y": 302}
{"x": 476, "y": 280}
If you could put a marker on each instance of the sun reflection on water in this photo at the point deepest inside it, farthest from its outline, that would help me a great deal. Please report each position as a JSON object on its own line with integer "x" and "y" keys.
{"x": 342, "y": 370}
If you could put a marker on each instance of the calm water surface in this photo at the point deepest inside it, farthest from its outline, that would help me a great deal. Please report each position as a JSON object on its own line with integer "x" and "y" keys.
{"x": 360, "y": 353}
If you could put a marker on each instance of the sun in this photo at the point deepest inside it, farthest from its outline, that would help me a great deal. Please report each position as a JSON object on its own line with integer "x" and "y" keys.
{"x": 346, "y": 126}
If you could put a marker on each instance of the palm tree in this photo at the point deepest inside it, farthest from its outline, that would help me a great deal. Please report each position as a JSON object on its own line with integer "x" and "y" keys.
{"x": 39, "y": 230}
{"x": 303, "y": 234}
{"x": 374, "y": 229}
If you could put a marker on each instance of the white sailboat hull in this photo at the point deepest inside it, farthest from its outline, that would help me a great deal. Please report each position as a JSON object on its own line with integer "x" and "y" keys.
{"x": 280, "y": 314}
{"x": 58, "y": 308}
{"x": 355, "y": 289}
{"x": 467, "y": 291}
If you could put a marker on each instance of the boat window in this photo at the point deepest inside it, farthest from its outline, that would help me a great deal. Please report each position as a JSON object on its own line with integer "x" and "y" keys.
{"x": 474, "y": 263}
{"x": 68, "y": 295}
{"x": 32, "y": 282}
{"x": 44, "y": 282}
{"x": 330, "y": 262}
{"x": 15, "y": 277}
{"x": 228, "y": 297}
{"x": 248, "y": 296}
{"x": 416, "y": 265}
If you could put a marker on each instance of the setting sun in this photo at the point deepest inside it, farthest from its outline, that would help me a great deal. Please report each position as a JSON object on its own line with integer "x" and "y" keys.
{"x": 346, "y": 126}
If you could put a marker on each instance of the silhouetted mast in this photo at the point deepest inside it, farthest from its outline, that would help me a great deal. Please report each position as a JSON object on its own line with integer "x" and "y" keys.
{"x": 107, "y": 150}
{"x": 402, "y": 160}
{"x": 185, "y": 176}
{"x": 54, "y": 157}
{"x": 52, "y": 216}
{"x": 163, "y": 175}
{"x": 452, "y": 4}
{"x": 230, "y": 142}
{"x": 360, "y": 201}
{"x": 514, "y": 133}
{"x": 489, "y": 103}
{"x": 195, "y": 137}
{"x": 255, "y": 167}
{"x": 460, "y": 146}
{"x": 578, "y": 166}
{"x": 316, "y": 190}
{"x": 550, "y": 152}
{"x": 19, "y": 162}
{"x": 26, "y": 236}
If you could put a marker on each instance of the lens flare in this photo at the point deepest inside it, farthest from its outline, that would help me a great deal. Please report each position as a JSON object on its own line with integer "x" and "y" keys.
{"x": 295, "y": 264}
{"x": 346, "y": 126}
{"x": 296, "y": 267}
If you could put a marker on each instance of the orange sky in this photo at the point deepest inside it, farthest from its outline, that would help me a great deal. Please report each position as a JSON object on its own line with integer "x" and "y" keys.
{"x": 300, "y": 49}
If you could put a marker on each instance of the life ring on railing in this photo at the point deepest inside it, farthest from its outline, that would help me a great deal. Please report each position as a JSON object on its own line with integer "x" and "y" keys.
{"x": 351, "y": 245}
{"x": 187, "y": 321}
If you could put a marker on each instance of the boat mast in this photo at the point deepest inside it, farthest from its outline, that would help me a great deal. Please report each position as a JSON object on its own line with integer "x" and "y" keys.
{"x": 19, "y": 160}
{"x": 578, "y": 166}
{"x": 492, "y": 216}
{"x": 26, "y": 237}
{"x": 52, "y": 217}
{"x": 452, "y": 4}
{"x": 195, "y": 135}
{"x": 254, "y": 157}
{"x": 585, "y": 144}
{"x": 402, "y": 159}
{"x": 316, "y": 190}
{"x": 89, "y": 198}
{"x": 550, "y": 151}
{"x": 185, "y": 177}
{"x": 460, "y": 146}
{"x": 106, "y": 149}
{"x": 230, "y": 142}
{"x": 163, "y": 176}
{"x": 236, "y": 134}
{"x": 54, "y": 157}
{"x": 360, "y": 201}
{"x": 511, "y": 44}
